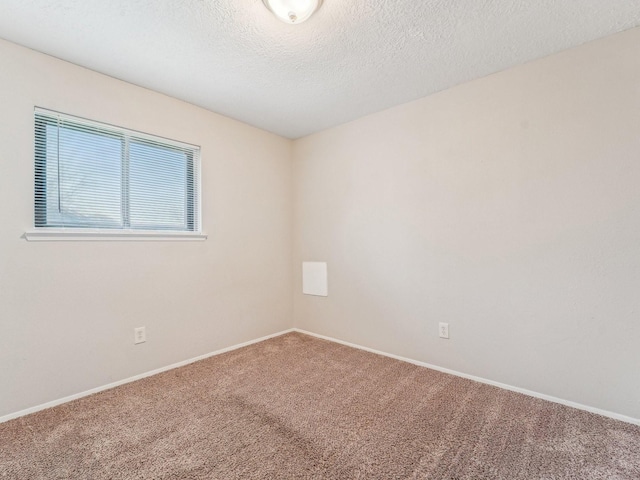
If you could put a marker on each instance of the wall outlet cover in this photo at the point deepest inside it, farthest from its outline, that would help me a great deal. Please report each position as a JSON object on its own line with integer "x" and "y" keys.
{"x": 444, "y": 330}
{"x": 139, "y": 335}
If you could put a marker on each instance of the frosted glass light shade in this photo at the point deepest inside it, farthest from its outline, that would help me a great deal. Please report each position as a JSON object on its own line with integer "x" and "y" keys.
{"x": 293, "y": 11}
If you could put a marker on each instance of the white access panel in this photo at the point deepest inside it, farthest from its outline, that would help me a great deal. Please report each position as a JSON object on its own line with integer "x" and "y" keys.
{"x": 314, "y": 278}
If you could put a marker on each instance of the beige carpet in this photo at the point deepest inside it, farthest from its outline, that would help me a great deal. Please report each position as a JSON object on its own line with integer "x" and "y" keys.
{"x": 296, "y": 407}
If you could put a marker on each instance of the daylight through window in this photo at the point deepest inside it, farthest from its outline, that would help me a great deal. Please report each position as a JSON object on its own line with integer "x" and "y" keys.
{"x": 92, "y": 175}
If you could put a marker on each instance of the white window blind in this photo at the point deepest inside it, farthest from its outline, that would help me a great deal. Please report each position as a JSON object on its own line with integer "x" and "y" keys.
{"x": 90, "y": 175}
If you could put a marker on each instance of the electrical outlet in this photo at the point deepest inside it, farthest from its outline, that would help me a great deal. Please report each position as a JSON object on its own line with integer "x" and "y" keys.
{"x": 139, "y": 335}
{"x": 444, "y": 330}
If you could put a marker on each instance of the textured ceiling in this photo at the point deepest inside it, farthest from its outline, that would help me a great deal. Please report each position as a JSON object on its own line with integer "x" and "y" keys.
{"x": 353, "y": 57}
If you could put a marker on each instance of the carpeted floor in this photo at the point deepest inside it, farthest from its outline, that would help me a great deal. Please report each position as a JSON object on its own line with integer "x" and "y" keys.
{"x": 297, "y": 407}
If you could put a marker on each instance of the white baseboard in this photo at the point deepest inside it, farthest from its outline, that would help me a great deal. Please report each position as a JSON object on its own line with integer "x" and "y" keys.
{"x": 579, "y": 406}
{"x": 605, "y": 413}
{"x": 75, "y": 396}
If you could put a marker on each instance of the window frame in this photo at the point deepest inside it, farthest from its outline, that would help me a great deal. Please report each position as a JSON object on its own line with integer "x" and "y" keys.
{"x": 193, "y": 199}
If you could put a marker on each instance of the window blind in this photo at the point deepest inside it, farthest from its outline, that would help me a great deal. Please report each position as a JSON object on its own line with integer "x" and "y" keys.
{"x": 94, "y": 175}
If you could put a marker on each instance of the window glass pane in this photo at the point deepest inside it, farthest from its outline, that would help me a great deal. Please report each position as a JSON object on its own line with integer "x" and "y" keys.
{"x": 84, "y": 177}
{"x": 157, "y": 187}
{"x": 94, "y": 175}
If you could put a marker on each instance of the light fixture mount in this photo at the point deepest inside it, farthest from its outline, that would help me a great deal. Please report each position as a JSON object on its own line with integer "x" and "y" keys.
{"x": 292, "y": 11}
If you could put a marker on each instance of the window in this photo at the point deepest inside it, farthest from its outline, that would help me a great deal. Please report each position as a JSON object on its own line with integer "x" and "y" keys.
{"x": 91, "y": 176}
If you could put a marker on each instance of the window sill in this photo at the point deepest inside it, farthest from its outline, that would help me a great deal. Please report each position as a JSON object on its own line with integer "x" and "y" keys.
{"x": 97, "y": 235}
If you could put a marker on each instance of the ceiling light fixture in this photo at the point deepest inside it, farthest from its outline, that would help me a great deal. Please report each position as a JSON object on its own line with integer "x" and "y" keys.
{"x": 293, "y": 11}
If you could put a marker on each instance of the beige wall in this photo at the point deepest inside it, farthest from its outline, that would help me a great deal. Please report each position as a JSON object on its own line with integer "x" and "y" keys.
{"x": 68, "y": 309}
{"x": 508, "y": 207}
